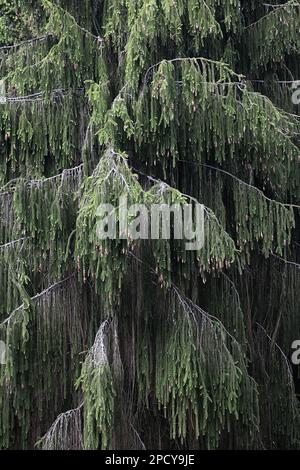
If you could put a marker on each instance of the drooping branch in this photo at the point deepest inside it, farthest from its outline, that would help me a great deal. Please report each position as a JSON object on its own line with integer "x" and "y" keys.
{"x": 268, "y": 41}
{"x": 46, "y": 336}
{"x": 66, "y": 433}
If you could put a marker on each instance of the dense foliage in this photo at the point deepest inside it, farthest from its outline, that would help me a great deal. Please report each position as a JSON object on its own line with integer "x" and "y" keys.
{"x": 134, "y": 344}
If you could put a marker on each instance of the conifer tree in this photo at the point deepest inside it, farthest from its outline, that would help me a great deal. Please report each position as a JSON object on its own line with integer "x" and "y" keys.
{"x": 122, "y": 344}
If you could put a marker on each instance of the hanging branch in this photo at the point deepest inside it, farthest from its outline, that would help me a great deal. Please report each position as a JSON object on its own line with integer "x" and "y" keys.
{"x": 223, "y": 121}
{"x": 46, "y": 211}
{"x": 6, "y": 217}
{"x": 185, "y": 385}
{"x": 45, "y": 335}
{"x": 14, "y": 280}
{"x": 273, "y": 374}
{"x": 140, "y": 31}
{"x": 24, "y": 43}
{"x": 92, "y": 422}
{"x": 66, "y": 433}
{"x": 39, "y": 133}
{"x": 12, "y": 244}
{"x": 113, "y": 179}
{"x": 58, "y": 93}
{"x": 77, "y": 47}
{"x": 257, "y": 217}
{"x": 99, "y": 393}
{"x": 75, "y": 176}
{"x": 268, "y": 40}
{"x": 163, "y": 372}
{"x": 290, "y": 263}
{"x": 34, "y": 299}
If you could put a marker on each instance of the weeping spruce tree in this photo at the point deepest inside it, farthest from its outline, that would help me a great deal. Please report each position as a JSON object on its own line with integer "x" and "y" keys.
{"x": 122, "y": 344}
